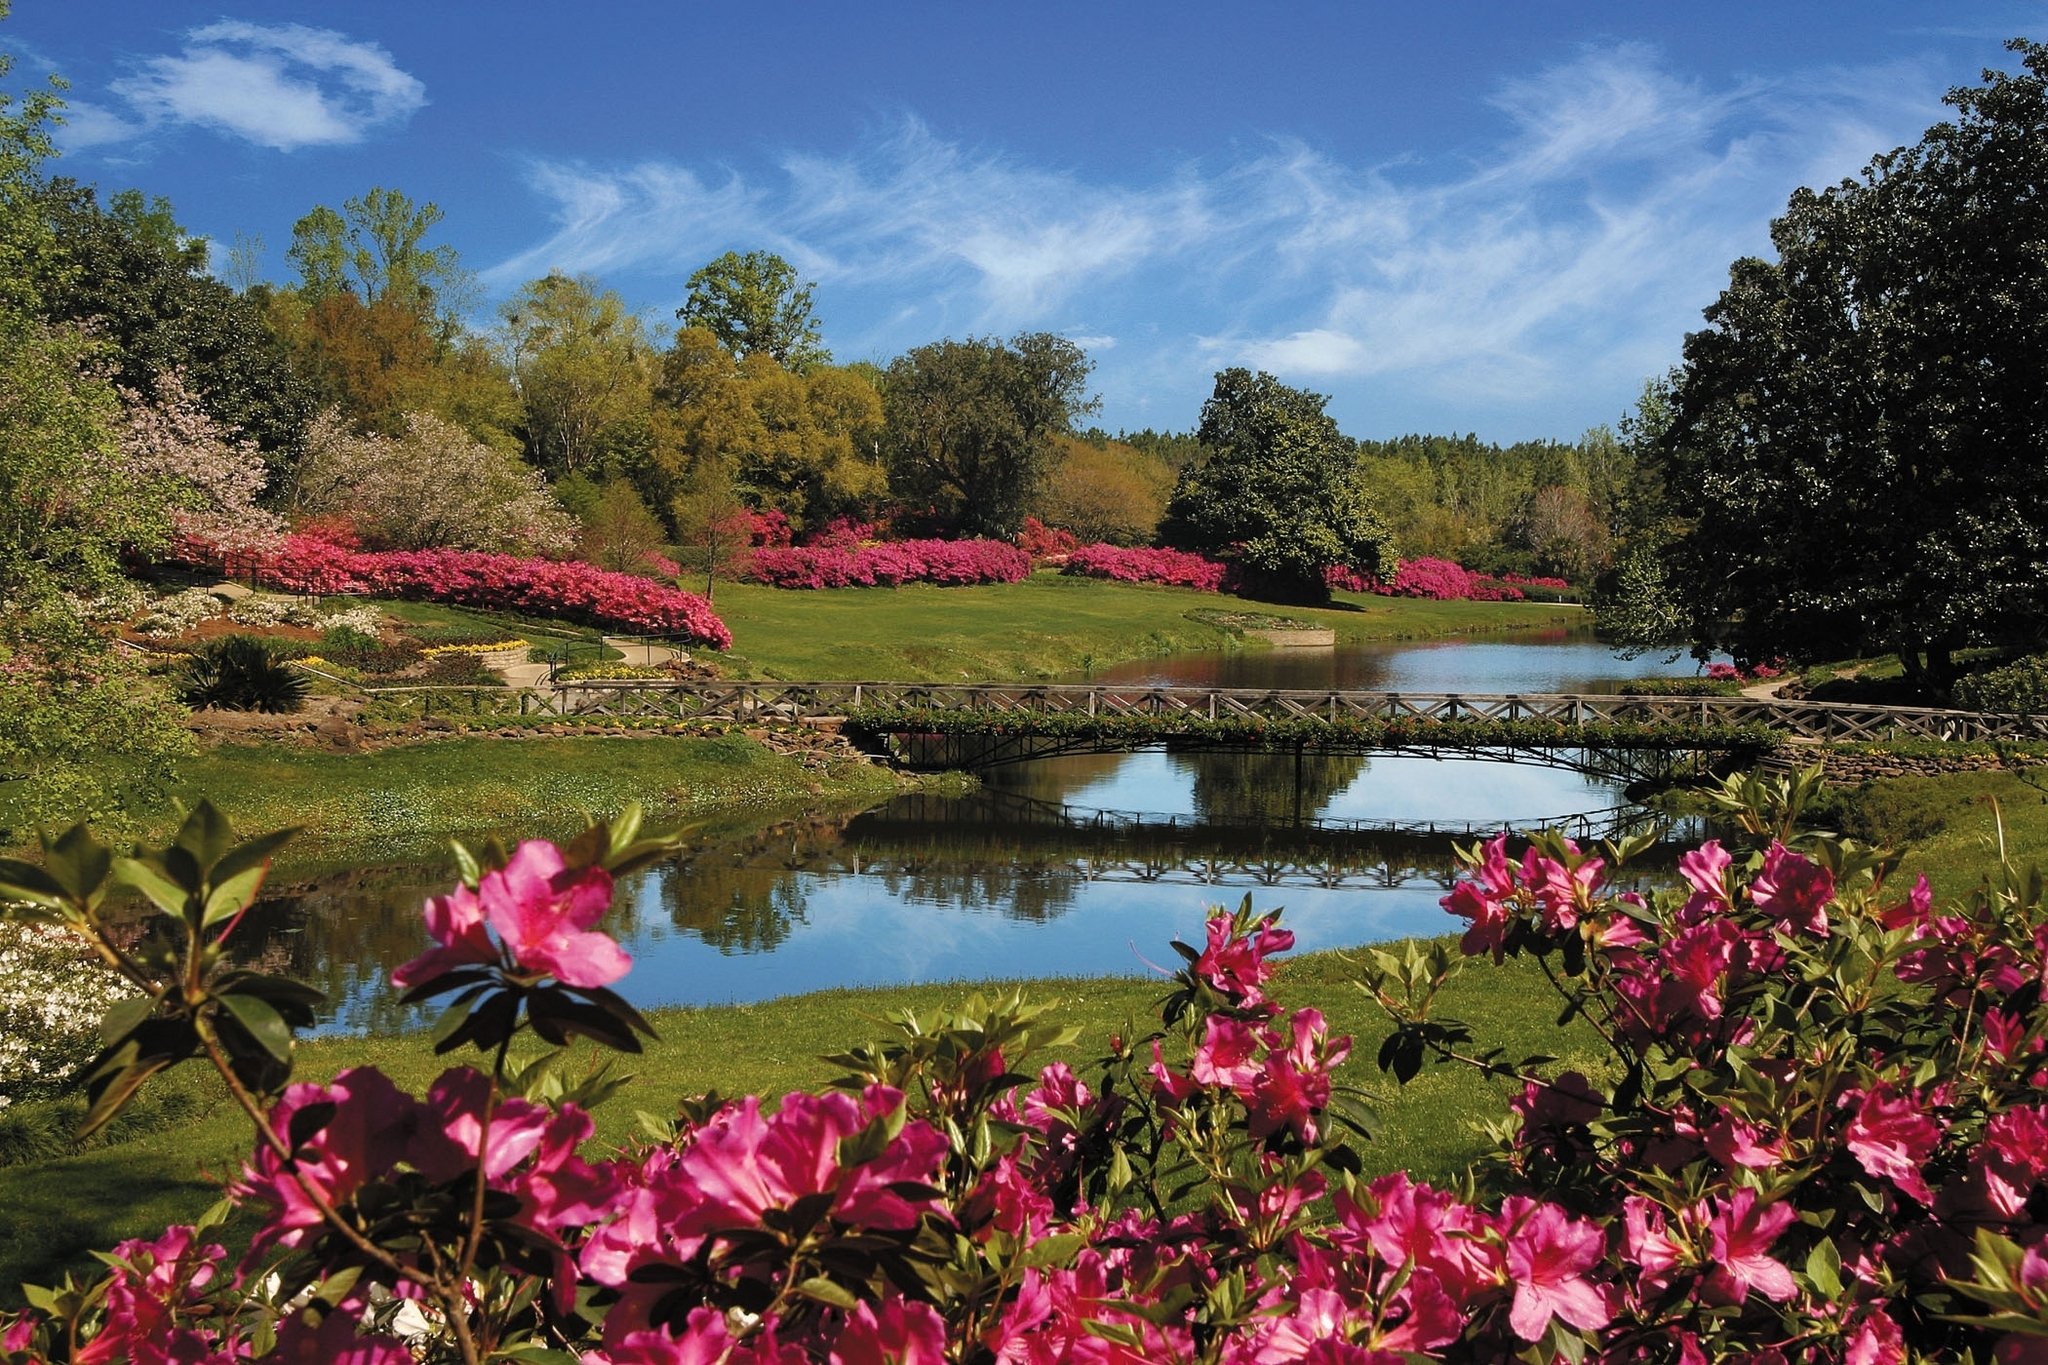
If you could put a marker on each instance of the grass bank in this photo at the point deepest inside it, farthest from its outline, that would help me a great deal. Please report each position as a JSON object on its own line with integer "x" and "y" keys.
{"x": 407, "y": 801}
{"x": 1049, "y": 626}
{"x": 56, "y": 1211}
{"x": 1951, "y": 826}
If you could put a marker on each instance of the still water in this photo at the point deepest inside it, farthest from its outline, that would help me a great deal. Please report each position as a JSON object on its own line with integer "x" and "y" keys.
{"x": 1082, "y": 866}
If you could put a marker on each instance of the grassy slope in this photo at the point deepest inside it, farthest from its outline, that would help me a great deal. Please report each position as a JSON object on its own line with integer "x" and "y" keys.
{"x": 1047, "y": 626}
{"x": 408, "y": 800}
{"x": 56, "y": 1211}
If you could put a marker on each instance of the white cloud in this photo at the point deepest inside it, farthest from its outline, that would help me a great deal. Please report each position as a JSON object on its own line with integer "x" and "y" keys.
{"x": 1569, "y": 253}
{"x": 88, "y": 125}
{"x": 283, "y": 86}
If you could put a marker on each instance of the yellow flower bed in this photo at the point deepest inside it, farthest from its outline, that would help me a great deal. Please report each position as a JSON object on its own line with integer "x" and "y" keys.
{"x": 438, "y": 650}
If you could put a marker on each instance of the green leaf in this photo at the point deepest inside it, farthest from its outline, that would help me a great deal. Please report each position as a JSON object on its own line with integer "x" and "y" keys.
{"x": 78, "y": 861}
{"x": 165, "y": 894}
{"x": 229, "y": 898}
{"x": 262, "y": 1023}
{"x": 206, "y": 834}
{"x": 466, "y": 864}
{"x": 250, "y": 853}
{"x": 828, "y": 1292}
{"x": 27, "y": 882}
{"x": 123, "y": 1017}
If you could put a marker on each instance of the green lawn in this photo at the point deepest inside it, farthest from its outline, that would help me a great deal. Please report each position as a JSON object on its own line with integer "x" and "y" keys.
{"x": 56, "y": 1211}
{"x": 407, "y": 801}
{"x": 1047, "y": 626}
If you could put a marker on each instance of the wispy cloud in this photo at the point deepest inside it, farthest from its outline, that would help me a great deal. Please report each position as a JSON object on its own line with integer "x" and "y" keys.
{"x": 283, "y": 86}
{"x": 1570, "y": 251}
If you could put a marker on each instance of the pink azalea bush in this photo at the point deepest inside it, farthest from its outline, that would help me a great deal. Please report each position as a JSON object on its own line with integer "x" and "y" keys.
{"x": 948, "y": 563}
{"x": 1440, "y": 580}
{"x": 1173, "y": 568}
{"x": 471, "y": 578}
{"x": 1820, "y": 1136}
{"x": 1044, "y": 542}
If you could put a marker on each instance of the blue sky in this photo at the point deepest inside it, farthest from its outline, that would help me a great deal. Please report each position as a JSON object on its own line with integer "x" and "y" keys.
{"x": 1491, "y": 217}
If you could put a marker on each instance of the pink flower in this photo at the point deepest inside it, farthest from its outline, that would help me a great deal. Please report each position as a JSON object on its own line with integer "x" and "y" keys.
{"x": 1877, "y": 1341}
{"x": 1226, "y": 1055}
{"x": 1742, "y": 1231}
{"x": 900, "y": 1334}
{"x": 1548, "y": 1256}
{"x": 1793, "y": 890}
{"x": 541, "y": 912}
{"x": 1705, "y": 869}
{"x": 1891, "y": 1137}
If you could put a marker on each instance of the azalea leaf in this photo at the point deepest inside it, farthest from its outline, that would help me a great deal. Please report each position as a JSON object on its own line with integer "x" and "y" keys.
{"x": 262, "y": 1023}
{"x": 163, "y": 892}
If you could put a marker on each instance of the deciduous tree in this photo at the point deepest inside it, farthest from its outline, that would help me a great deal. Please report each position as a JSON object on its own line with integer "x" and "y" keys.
{"x": 971, "y": 425}
{"x": 755, "y": 304}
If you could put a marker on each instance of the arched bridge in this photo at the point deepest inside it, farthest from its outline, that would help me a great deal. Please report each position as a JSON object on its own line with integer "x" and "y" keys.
{"x": 946, "y": 725}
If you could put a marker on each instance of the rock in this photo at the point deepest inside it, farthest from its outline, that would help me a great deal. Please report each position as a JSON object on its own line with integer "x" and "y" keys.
{"x": 339, "y": 733}
{"x": 231, "y": 592}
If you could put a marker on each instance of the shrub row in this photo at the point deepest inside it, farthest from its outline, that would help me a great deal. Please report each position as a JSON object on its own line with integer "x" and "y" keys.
{"x": 569, "y": 589}
{"x": 1436, "y": 579}
{"x": 948, "y": 563}
{"x": 1173, "y": 568}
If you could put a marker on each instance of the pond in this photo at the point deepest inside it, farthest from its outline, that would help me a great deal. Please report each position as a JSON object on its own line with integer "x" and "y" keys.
{"x": 1077, "y": 866}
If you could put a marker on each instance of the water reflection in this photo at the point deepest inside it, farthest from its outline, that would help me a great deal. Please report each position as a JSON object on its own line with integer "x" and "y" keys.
{"x": 1074, "y": 866}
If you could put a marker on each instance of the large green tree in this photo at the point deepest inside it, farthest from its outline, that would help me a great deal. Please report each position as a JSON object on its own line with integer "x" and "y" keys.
{"x": 972, "y": 425}
{"x": 136, "y": 280}
{"x": 755, "y": 304}
{"x": 1279, "y": 492}
{"x": 585, "y": 370}
{"x": 1862, "y": 424}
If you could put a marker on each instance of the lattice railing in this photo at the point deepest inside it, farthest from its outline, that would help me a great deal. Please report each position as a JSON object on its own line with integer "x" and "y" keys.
{"x": 770, "y": 701}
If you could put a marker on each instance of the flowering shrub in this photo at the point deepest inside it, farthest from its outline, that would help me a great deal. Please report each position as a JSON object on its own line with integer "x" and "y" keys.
{"x": 1720, "y": 672}
{"x": 487, "y": 647}
{"x": 770, "y": 528}
{"x": 545, "y": 587}
{"x": 1440, "y": 580}
{"x": 51, "y": 1000}
{"x": 1820, "y": 1138}
{"x": 949, "y": 563}
{"x": 1174, "y": 568}
{"x": 1044, "y": 542}
{"x": 178, "y": 613}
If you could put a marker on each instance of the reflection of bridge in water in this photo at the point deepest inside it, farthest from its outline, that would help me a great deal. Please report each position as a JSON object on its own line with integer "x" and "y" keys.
{"x": 1027, "y": 837}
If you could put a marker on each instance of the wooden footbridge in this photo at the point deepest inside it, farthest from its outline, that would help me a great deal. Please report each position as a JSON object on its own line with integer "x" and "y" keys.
{"x": 942, "y": 725}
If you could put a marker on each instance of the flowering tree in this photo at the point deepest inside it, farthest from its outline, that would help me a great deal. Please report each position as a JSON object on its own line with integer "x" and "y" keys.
{"x": 1821, "y": 1139}
{"x": 433, "y": 486}
{"x": 212, "y": 476}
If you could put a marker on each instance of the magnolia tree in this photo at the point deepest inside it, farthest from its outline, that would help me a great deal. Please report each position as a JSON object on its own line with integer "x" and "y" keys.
{"x": 1820, "y": 1137}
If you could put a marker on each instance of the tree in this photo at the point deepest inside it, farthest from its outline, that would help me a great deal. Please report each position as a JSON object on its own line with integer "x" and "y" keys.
{"x": 1861, "y": 424}
{"x": 803, "y": 443}
{"x": 714, "y": 531}
{"x": 433, "y": 485}
{"x": 584, "y": 367}
{"x": 375, "y": 248}
{"x": 755, "y": 305}
{"x": 137, "y": 280}
{"x": 1279, "y": 492}
{"x": 971, "y": 425}
{"x": 618, "y": 531}
{"x": 1104, "y": 490}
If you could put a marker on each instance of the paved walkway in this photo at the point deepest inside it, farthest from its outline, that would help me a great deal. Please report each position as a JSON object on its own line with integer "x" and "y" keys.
{"x": 639, "y": 653}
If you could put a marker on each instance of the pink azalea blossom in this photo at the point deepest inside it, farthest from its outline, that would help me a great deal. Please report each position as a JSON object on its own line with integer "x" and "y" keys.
{"x": 1793, "y": 890}
{"x": 542, "y": 913}
{"x": 1743, "y": 1230}
{"x": 1549, "y": 1253}
{"x": 1891, "y": 1137}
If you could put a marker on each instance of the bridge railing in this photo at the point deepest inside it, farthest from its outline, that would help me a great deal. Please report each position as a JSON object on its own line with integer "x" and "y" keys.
{"x": 768, "y": 701}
